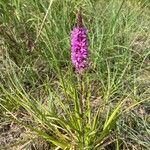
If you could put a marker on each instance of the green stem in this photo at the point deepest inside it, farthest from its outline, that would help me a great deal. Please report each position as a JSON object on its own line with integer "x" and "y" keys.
{"x": 82, "y": 109}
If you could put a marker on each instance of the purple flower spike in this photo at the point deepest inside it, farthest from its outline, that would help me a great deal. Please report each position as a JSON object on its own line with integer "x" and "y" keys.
{"x": 79, "y": 43}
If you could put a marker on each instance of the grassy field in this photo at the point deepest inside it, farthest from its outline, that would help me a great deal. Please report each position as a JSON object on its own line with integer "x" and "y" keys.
{"x": 44, "y": 105}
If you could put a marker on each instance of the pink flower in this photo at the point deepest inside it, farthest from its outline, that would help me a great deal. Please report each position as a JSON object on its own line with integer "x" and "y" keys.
{"x": 79, "y": 46}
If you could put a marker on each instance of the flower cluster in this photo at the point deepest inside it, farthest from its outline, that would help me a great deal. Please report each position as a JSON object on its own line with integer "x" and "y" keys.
{"x": 79, "y": 43}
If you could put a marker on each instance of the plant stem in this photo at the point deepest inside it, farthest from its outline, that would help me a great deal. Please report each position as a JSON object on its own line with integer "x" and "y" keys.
{"x": 82, "y": 109}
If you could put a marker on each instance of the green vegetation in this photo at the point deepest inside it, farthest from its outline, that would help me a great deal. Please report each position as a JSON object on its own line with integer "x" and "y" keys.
{"x": 40, "y": 93}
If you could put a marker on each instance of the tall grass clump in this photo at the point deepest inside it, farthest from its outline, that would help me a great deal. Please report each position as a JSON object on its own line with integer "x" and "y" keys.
{"x": 75, "y": 74}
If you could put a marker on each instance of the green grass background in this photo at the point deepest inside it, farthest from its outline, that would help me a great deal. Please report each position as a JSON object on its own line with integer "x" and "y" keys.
{"x": 38, "y": 81}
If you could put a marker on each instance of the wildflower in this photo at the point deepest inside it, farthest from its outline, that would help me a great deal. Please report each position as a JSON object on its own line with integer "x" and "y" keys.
{"x": 79, "y": 46}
